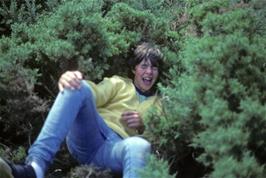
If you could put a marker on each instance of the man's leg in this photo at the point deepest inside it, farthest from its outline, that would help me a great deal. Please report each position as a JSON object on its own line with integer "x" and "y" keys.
{"x": 88, "y": 132}
{"x": 74, "y": 111}
{"x": 134, "y": 152}
{"x": 66, "y": 113}
{"x": 123, "y": 155}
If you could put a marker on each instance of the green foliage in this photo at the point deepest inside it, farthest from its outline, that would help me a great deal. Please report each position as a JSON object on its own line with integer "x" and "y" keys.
{"x": 230, "y": 167}
{"x": 19, "y": 154}
{"x": 156, "y": 169}
{"x": 20, "y": 107}
{"x": 26, "y": 11}
{"x": 217, "y": 104}
{"x": 15, "y": 155}
{"x": 87, "y": 35}
{"x": 213, "y": 88}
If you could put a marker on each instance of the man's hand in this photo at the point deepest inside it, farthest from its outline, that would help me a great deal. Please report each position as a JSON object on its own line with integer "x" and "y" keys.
{"x": 70, "y": 80}
{"x": 133, "y": 120}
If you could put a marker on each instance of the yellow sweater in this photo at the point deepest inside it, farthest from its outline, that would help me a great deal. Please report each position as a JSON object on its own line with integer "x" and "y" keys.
{"x": 115, "y": 95}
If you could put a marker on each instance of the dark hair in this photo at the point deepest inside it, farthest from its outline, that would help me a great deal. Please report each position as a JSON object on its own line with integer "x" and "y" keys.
{"x": 146, "y": 51}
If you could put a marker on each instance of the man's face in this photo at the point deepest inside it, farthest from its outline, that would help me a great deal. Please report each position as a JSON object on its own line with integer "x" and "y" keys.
{"x": 145, "y": 75}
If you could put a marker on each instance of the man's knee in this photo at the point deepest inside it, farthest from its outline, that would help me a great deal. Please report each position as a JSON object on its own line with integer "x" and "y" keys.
{"x": 137, "y": 144}
{"x": 84, "y": 90}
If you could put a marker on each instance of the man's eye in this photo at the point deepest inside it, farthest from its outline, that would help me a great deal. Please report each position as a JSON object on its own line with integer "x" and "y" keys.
{"x": 144, "y": 66}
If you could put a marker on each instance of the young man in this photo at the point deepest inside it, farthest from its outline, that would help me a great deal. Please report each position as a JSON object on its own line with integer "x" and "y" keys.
{"x": 100, "y": 122}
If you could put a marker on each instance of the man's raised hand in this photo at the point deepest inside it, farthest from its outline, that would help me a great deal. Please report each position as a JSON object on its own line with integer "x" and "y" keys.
{"x": 70, "y": 80}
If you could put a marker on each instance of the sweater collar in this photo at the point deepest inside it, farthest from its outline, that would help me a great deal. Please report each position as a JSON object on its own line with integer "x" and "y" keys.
{"x": 146, "y": 93}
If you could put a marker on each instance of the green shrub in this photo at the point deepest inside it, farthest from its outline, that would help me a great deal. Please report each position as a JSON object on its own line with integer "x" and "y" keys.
{"x": 15, "y": 155}
{"x": 156, "y": 168}
{"x": 92, "y": 36}
{"x": 213, "y": 86}
{"x": 216, "y": 107}
{"x": 27, "y": 11}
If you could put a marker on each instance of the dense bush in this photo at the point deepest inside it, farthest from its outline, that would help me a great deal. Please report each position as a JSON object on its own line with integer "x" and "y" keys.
{"x": 88, "y": 35}
{"x": 216, "y": 107}
{"x": 213, "y": 89}
{"x": 155, "y": 168}
{"x": 27, "y": 11}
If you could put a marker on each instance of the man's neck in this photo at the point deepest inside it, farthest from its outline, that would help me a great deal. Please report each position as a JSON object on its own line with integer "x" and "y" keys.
{"x": 145, "y": 93}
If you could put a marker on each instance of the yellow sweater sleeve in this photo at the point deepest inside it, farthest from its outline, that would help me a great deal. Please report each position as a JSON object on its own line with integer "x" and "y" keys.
{"x": 104, "y": 91}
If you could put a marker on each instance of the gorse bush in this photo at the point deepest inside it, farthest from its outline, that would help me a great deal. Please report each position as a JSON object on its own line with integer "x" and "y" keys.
{"x": 155, "y": 168}
{"x": 83, "y": 35}
{"x": 216, "y": 107}
{"x": 26, "y": 11}
{"x": 20, "y": 105}
{"x": 213, "y": 87}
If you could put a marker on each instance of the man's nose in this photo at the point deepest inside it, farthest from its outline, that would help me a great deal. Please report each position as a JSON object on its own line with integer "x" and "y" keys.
{"x": 149, "y": 69}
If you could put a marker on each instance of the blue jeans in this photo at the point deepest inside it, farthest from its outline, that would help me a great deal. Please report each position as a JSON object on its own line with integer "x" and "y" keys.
{"x": 74, "y": 116}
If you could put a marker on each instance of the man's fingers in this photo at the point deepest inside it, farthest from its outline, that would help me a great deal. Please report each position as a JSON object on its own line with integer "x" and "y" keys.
{"x": 133, "y": 125}
{"x": 132, "y": 119}
{"x": 78, "y": 74}
{"x": 70, "y": 80}
{"x": 66, "y": 82}
{"x": 134, "y": 122}
{"x": 61, "y": 88}
{"x": 130, "y": 113}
